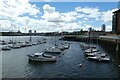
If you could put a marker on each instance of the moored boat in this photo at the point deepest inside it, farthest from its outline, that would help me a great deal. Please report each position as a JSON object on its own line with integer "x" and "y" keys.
{"x": 41, "y": 57}
{"x": 53, "y": 50}
{"x": 90, "y": 50}
{"x": 5, "y": 48}
{"x": 100, "y": 58}
{"x": 95, "y": 54}
{"x": 15, "y": 46}
{"x": 34, "y": 43}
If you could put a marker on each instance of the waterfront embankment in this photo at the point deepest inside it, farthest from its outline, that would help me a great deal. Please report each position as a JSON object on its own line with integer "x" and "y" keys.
{"x": 109, "y": 43}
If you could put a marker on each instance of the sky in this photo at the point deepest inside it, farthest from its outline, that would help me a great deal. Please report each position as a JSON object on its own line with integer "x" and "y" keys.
{"x": 49, "y": 16}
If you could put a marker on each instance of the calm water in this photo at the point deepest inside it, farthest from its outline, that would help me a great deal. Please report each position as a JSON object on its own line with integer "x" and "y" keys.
{"x": 15, "y": 63}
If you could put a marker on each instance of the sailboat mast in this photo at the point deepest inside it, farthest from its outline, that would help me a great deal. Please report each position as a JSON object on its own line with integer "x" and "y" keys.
{"x": 55, "y": 38}
{"x": 12, "y": 33}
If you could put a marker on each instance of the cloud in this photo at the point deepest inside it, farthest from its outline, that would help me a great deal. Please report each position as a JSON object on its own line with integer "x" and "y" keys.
{"x": 108, "y": 28}
{"x": 12, "y": 10}
{"x": 18, "y": 12}
{"x": 48, "y": 9}
{"x": 69, "y": 16}
{"x": 15, "y": 8}
{"x": 51, "y": 15}
{"x": 88, "y": 12}
{"x": 107, "y": 16}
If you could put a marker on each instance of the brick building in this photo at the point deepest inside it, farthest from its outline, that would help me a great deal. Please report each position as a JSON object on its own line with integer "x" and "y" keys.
{"x": 116, "y": 22}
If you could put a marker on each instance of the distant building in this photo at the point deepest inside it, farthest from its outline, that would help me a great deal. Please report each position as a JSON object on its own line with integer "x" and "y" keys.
{"x": 90, "y": 29}
{"x": 30, "y": 31}
{"x": 103, "y": 28}
{"x": 116, "y": 22}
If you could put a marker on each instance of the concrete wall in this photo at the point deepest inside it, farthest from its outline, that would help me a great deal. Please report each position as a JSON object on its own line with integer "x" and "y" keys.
{"x": 118, "y": 22}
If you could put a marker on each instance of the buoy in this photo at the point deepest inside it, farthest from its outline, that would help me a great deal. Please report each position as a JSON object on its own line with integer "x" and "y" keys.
{"x": 82, "y": 60}
{"x": 80, "y": 65}
{"x": 73, "y": 67}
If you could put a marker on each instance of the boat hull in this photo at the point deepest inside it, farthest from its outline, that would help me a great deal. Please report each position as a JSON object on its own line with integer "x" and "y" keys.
{"x": 42, "y": 59}
{"x": 52, "y": 52}
{"x": 5, "y": 49}
{"x": 99, "y": 59}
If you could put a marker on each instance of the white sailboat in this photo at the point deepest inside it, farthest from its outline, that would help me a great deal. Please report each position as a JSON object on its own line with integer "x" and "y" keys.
{"x": 54, "y": 49}
{"x": 14, "y": 45}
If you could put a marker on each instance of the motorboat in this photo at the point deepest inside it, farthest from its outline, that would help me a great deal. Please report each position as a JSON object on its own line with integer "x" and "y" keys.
{"x": 105, "y": 59}
{"x": 66, "y": 46}
{"x": 95, "y": 54}
{"x": 85, "y": 46}
{"x": 15, "y": 46}
{"x": 90, "y": 50}
{"x": 29, "y": 44}
{"x": 100, "y": 58}
{"x": 53, "y": 50}
{"x": 25, "y": 44}
{"x": 5, "y": 48}
{"x": 41, "y": 42}
{"x": 63, "y": 47}
{"x": 34, "y": 43}
{"x": 3, "y": 43}
{"x": 22, "y": 44}
{"x": 41, "y": 57}
{"x": 11, "y": 42}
